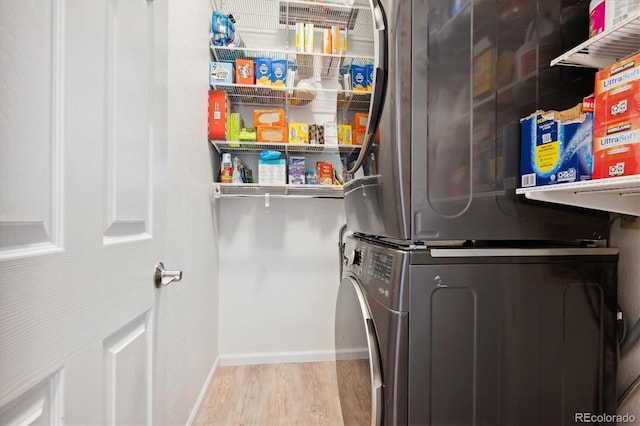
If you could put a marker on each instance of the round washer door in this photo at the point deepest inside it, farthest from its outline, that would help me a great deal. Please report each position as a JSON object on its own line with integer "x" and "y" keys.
{"x": 357, "y": 358}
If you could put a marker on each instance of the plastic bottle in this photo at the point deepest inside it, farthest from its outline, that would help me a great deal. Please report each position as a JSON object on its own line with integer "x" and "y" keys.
{"x": 236, "y": 176}
{"x": 606, "y": 14}
{"x": 597, "y": 13}
{"x": 226, "y": 169}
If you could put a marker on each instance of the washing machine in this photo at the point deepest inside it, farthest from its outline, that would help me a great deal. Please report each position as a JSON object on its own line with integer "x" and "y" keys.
{"x": 465, "y": 334}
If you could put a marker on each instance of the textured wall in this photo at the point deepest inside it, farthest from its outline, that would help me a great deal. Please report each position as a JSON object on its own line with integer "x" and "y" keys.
{"x": 189, "y": 342}
{"x": 626, "y": 237}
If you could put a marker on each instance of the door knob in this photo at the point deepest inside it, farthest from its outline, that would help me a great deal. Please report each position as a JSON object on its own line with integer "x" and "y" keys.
{"x": 165, "y": 277}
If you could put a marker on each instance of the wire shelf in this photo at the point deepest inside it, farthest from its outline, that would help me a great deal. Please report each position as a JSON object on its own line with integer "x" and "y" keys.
{"x": 249, "y": 94}
{"x": 239, "y": 147}
{"x": 606, "y": 48}
{"x": 237, "y": 190}
{"x": 304, "y": 64}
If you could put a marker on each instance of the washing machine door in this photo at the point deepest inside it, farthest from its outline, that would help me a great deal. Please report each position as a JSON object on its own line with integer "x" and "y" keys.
{"x": 357, "y": 358}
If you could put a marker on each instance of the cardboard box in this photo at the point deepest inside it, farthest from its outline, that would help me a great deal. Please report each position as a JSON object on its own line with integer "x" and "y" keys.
{"x": 331, "y": 134}
{"x": 335, "y": 40}
{"x": 556, "y": 147}
{"x": 325, "y": 173}
{"x": 269, "y": 117}
{"x": 272, "y": 172}
{"x": 344, "y": 134}
{"x": 360, "y": 120}
{"x": 327, "y": 42}
{"x": 359, "y": 80}
{"x": 358, "y": 136}
{"x": 616, "y": 133}
{"x": 273, "y": 134}
{"x": 300, "y": 37}
{"x": 617, "y": 93}
{"x": 245, "y": 71}
{"x": 279, "y": 73}
{"x": 296, "y": 170}
{"x": 234, "y": 125}
{"x": 219, "y": 110}
{"x": 263, "y": 72}
{"x": 298, "y": 133}
{"x": 220, "y": 73}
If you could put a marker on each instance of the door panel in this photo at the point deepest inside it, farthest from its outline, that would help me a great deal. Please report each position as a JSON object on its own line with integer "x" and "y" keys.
{"x": 83, "y": 163}
{"x": 127, "y": 178}
{"x": 29, "y": 117}
{"x": 128, "y": 399}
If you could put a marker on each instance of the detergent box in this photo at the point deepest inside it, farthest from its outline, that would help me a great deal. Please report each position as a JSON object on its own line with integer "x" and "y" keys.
{"x": 556, "y": 147}
{"x": 616, "y": 129}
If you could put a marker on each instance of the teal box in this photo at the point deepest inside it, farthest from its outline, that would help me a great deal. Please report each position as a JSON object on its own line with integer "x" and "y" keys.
{"x": 220, "y": 73}
{"x": 279, "y": 73}
{"x": 263, "y": 71}
{"x": 555, "y": 151}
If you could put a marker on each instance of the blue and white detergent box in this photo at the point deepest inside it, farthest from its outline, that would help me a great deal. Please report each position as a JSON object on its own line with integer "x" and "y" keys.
{"x": 556, "y": 147}
{"x": 220, "y": 73}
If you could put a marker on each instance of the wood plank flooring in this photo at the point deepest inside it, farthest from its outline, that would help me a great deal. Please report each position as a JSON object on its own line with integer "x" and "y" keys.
{"x": 299, "y": 394}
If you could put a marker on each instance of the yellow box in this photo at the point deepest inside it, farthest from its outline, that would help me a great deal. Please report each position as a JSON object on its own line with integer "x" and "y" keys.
{"x": 298, "y": 133}
{"x": 344, "y": 134}
{"x": 300, "y": 37}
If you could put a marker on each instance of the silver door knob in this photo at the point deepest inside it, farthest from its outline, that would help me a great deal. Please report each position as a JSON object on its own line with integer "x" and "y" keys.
{"x": 165, "y": 277}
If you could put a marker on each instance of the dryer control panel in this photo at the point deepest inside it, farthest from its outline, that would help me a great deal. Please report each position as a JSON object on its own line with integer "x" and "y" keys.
{"x": 379, "y": 266}
{"x": 380, "y": 270}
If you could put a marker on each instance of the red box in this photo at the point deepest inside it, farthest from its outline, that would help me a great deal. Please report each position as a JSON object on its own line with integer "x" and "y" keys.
{"x": 616, "y": 129}
{"x": 219, "y": 110}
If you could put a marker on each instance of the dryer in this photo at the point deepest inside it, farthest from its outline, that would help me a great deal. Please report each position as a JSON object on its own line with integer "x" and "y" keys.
{"x": 457, "y": 334}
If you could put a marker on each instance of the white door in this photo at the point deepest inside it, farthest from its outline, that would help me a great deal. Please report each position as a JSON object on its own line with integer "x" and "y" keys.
{"x": 82, "y": 177}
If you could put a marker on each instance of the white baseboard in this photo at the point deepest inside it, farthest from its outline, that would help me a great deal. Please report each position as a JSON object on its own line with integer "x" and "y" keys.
{"x": 203, "y": 393}
{"x": 276, "y": 357}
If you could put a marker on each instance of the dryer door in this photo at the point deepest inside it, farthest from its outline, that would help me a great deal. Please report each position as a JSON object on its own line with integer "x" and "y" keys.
{"x": 357, "y": 358}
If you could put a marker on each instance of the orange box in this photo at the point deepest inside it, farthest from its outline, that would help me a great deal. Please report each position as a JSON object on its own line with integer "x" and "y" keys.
{"x": 269, "y": 117}
{"x": 616, "y": 130}
{"x": 245, "y": 71}
{"x": 335, "y": 40}
{"x": 274, "y": 134}
{"x": 327, "y": 45}
{"x": 219, "y": 110}
{"x": 616, "y": 149}
{"x": 360, "y": 120}
{"x": 325, "y": 173}
{"x": 358, "y": 136}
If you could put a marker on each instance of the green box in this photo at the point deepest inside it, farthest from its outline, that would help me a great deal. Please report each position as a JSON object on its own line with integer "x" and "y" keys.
{"x": 235, "y": 124}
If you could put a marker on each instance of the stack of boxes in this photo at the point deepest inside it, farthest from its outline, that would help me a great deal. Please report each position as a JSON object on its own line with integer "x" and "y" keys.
{"x": 599, "y": 138}
{"x": 616, "y": 130}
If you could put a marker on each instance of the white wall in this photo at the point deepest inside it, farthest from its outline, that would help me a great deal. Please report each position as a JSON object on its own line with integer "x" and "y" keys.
{"x": 279, "y": 277}
{"x": 190, "y": 347}
{"x": 626, "y": 237}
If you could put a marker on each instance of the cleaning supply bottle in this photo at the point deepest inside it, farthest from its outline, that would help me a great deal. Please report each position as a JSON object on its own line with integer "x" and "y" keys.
{"x": 236, "y": 175}
{"x": 226, "y": 169}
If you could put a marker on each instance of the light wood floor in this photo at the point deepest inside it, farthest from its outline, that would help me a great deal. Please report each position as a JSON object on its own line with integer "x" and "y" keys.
{"x": 303, "y": 394}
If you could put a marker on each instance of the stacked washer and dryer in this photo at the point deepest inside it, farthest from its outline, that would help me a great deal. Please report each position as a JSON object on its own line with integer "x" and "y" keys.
{"x": 462, "y": 303}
